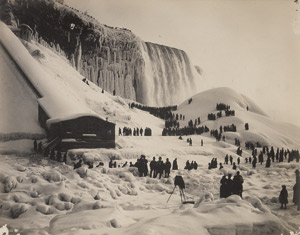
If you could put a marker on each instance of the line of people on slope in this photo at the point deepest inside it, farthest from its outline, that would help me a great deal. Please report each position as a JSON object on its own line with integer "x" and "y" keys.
{"x": 127, "y": 131}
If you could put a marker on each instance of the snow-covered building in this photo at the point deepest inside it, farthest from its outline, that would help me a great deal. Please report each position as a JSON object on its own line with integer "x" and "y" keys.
{"x": 64, "y": 116}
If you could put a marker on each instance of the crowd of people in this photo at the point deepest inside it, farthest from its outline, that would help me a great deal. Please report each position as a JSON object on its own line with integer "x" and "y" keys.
{"x": 231, "y": 128}
{"x": 185, "y": 131}
{"x": 193, "y": 165}
{"x": 160, "y": 112}
{"x": 127, "y": 131}
{"x": 53, "y": 154}
{"x": 222, "y": 106}
{"x": 231, "y": 186}
{"x": 272, "y": 156}
{"x": 283, "y": 196}
{"x": 213, "y": 164}
{"x": 158, "y": 168}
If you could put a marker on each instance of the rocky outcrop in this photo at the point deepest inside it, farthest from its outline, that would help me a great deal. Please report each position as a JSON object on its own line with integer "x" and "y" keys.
{"x": 113, "y": 58}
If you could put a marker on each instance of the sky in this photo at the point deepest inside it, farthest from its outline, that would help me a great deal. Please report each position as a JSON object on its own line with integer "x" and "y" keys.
{"x": 251, "y": 46}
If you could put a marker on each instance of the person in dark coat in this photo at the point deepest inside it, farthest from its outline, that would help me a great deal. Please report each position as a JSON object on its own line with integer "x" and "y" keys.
{"x": 230, "y": 159}
{"x": 237, "y": 187}
{"x": 52, "y": 155}
{"x": 221, "y": 166}
{"x": 254, "y": 162}
{"x": 283, "y": 197}
{"x": 268, "y": 162}
{"x": 223, "y": 186}
{"x": 228, "y": 186}
{"x": 34, "y": 145}
{"x": 187, "y": 165}
{"x": 175, "y": 165}
{"x": 144, "y": 165}
{"x": 195, "y": 165}
{"x": 167, "y": 168}
{"x": 296, "y": 189}
{"x": 110, "y": 164}
{"x": 65, "y": 158}
{"x": 226, "y": 159}
{"x": 234, "y": 166}
{"x": 192, "y": 165}
{"x": 238, "y": 160}
{"x": 153, "y": 168}
{"x": 159, "y": 167}
{"x": 40, "y": 146}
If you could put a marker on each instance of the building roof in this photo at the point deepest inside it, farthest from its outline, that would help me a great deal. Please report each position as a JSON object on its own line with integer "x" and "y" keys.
{"x": 71, "y": 117}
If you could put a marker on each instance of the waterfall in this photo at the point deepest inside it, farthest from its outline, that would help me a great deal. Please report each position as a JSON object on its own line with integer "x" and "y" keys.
{"x": 166, "y": 76}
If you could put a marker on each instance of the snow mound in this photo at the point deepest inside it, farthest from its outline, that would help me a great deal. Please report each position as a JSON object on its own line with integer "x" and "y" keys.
{"x": 262, "y": 129}
{"x": 205, "y": 197}
{"x": 206, "y": 102}
{"x": 52, "y": 176}
{"x": 90, "y": 220}
{"x": 9, "y": 183}
{"x": 223, "y": 216}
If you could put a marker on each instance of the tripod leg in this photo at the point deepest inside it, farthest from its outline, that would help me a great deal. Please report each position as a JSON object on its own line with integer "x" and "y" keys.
{"x": 171, "y": 193}
{"x": 180, "y": 195}
{"x": 183, "y": 194}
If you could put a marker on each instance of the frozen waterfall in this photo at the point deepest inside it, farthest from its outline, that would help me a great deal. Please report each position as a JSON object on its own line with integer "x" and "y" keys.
{"x": 167, "y": 77}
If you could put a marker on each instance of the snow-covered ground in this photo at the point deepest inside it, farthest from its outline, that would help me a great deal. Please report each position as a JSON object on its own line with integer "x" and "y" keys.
{"x": 41, "y": 196}
{"x": 50, "y": 197}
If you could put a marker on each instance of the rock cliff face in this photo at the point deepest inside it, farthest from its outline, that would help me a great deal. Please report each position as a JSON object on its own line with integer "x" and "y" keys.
{"x": 114, "y": 58}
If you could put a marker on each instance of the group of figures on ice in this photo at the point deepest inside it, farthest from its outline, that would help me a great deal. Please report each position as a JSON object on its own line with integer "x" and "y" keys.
{"x": 228, "y": 187}
{"x": 157, "y": 168}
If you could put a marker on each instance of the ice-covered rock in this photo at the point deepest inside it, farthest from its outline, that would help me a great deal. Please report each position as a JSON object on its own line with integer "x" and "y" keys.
{"x": 52, "y": 176}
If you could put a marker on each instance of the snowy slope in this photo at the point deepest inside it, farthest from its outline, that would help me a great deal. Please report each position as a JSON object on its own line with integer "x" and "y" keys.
{"x": 262, "y": 128}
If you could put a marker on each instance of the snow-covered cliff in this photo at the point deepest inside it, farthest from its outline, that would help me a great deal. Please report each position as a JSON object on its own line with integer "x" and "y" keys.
{"x": 113, "y": 58}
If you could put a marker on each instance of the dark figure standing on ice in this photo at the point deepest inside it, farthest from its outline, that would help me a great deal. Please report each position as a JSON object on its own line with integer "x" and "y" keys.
{"x": 34, "y": 145}
{"x": 167, "y": 168}
{"x": 283, "y": 197}
{"x": 153, "y": 168}
{"x": 296, "y": 189}
{"x": 175, "y": 165}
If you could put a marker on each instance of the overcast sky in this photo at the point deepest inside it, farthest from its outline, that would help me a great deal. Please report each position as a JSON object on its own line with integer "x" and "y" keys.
{"x": 252, "y": 46}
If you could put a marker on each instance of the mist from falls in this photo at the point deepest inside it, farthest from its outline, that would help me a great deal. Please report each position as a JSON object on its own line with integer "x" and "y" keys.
{"x": 167, "y": 77}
